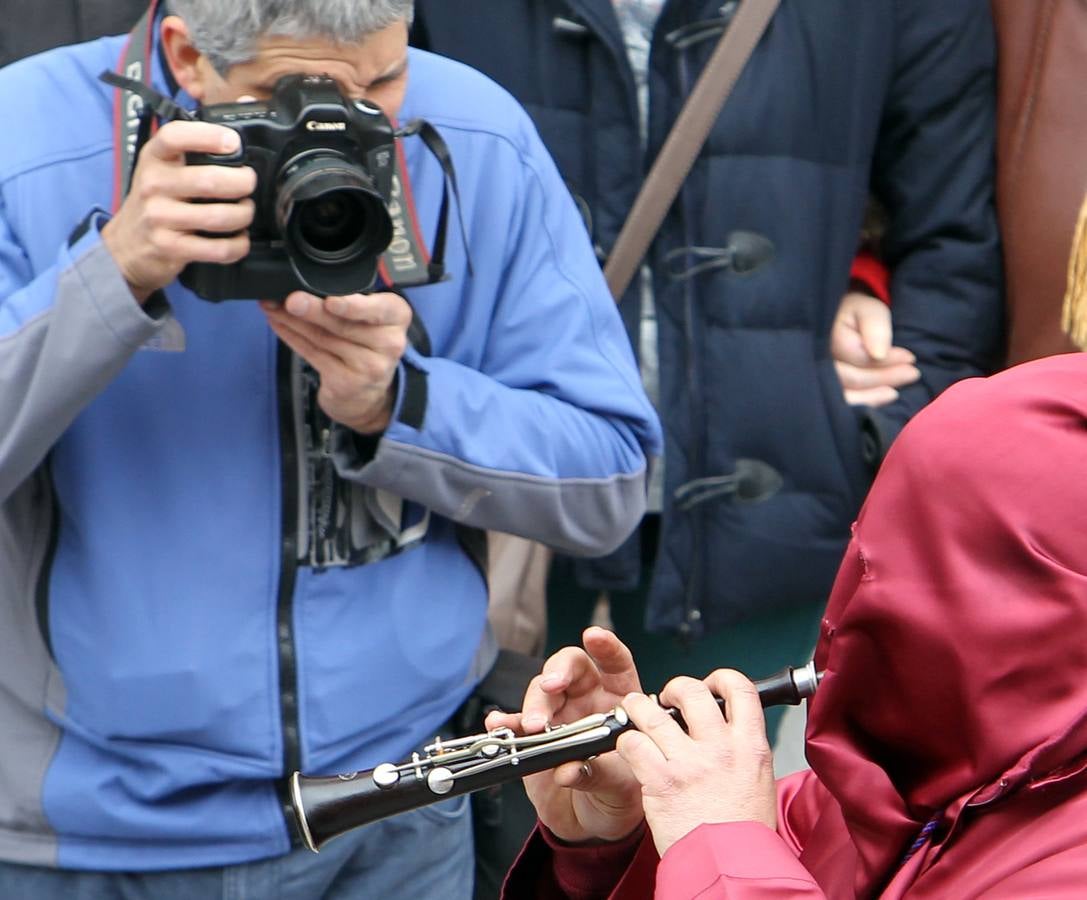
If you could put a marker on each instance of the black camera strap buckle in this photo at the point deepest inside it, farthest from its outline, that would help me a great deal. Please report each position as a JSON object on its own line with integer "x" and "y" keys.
{"x": 154, "y": 104}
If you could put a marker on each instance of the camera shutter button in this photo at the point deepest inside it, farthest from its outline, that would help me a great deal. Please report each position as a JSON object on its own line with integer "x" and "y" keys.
{"x": 367, "y": 108}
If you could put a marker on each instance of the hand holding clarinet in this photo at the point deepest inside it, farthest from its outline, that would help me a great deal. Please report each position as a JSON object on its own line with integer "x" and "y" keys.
{"x": 581, "y": 801}
{"x": 719, "y": 770}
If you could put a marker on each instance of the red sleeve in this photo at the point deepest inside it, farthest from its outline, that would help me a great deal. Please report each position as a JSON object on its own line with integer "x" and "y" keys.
{"x": 548, "y": 868}
{"x": 737, "y": 861}
{"x": 712, "y": 858}
{"x": 872, "y": 276}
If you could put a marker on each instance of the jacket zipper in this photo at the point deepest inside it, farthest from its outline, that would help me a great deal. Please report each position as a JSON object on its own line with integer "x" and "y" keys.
{"x": 288, "y": 572}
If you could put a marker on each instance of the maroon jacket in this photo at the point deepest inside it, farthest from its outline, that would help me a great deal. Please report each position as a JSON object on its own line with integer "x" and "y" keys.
{"x": 956, "y": 683}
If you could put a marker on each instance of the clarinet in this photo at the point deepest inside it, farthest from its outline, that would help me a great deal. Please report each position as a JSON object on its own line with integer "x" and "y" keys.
{"x": 328, "y": 806}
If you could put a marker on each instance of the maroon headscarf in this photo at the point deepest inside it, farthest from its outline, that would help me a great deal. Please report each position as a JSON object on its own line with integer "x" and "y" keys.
{"x": 955, "y": 640}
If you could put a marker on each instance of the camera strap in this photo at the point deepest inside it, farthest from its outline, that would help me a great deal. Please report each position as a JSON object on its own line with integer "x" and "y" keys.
{"x": 133, "y": 109}
{"x": 139, "y": 107}
{"x": 436, "y": 144}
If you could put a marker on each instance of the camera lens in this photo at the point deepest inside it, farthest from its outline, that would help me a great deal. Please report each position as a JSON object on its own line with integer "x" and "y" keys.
{"x": 331, "y": 216}
{"x": 330, "y": 227}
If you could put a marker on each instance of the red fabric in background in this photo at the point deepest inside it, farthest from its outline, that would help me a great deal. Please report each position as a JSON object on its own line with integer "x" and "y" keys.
{"x": 871, "y": 273}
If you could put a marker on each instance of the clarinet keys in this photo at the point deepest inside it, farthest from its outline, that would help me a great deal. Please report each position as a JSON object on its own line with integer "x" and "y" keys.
{"x": 386, "y": 775}
{"x": 440, "y": 780}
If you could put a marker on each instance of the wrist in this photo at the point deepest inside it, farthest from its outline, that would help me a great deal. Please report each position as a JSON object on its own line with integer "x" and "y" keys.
{"x": 627, "y": 836}
{"x": 116, "y": 249}
{"x": 375, "y": 423}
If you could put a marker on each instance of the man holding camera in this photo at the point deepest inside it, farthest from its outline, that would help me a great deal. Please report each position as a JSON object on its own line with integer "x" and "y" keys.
{"x": 239, "y": 539}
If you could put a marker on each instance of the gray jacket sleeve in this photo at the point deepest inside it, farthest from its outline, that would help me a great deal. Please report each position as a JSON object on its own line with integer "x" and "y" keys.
{"x": 65, "y": 333}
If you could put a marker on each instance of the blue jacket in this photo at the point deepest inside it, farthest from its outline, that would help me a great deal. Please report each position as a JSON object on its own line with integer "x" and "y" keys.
{"x": 177, "y": 631}
{"x": 765, "y": 464}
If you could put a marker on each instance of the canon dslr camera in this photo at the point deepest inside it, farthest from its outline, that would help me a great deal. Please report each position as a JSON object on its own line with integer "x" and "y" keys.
{"x": 324, "y": 167}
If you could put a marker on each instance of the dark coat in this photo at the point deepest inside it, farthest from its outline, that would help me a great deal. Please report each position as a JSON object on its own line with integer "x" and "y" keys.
{"x": 30, "y": 26}
{"x": 766, "y": 465}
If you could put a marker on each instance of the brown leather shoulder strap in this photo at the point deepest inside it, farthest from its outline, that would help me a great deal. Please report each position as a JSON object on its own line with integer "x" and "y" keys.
{"x": 685, "y": 140}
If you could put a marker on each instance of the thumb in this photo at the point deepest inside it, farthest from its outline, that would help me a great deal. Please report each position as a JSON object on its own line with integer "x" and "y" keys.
{"x": 605, "y": 775}
{"x": 874, "y": 325}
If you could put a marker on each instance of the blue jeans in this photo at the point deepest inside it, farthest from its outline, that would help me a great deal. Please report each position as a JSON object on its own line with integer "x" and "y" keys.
{"x": 426, "y": 854}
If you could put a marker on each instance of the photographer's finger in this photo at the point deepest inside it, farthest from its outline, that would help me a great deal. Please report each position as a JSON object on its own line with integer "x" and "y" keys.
{"x": 303, "y": 345}
{"x": 201, "y": 182}
{"x": 190, "y": 248}
{"x": 334, "y": 346}
{"x": 382, "y": 308}
{"x": 218, "y": 218}
{"x": 329, "y": 352}
{"x": 305, "y": 307}
{"x": 175, "y": 139}
{"x": 379, "y": 321}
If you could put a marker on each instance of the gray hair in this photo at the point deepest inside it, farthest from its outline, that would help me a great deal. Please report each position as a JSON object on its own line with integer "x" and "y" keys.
{"x": 227, "y": 31}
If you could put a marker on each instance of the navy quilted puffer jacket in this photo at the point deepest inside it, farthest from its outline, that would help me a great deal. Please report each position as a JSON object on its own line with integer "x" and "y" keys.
{"x": 766, "y": 465}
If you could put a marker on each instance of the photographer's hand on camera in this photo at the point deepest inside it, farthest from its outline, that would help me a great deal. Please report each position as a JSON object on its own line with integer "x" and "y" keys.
{"x": 160, "y": 228}
{"x": 355, "y": 344}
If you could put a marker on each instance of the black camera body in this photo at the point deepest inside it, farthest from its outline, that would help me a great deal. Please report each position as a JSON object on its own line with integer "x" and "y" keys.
{"x": 325, "y": 168}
